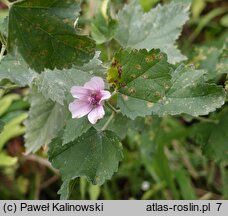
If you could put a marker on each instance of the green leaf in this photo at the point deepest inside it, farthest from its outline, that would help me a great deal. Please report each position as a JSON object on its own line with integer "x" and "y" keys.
{"x": 159, "y": 131}
{"x": 147, "y": 5}
{"x": 13, "y": 129}
{"x": 56, "y": 85}
{"x": 206, "y": 58}
{"x": 103, "y": 27}
{"x": 18, "y": 106}
{"x": 46, "y": 119}
{"x": 197, "y": 8}
{"x": 190, "y": 94}
{"x": 66, "y": 189}
{"x": 3, "y": 21}
{"x": 6, "y": 101}
{"x": 94, "y": 67}
{"x": 17, "y": 71}
{"x": 184, "y": 182}
{"x": 224, "y": 21}
{"x": 183, "y": 1}
{"x": 147, "y": 145}
{"x": 146, "y": 82}
{"x": 222, "y": 66}
{"x": 212, "y": 59}
{"x": 141, "y": 74}
{"x": 133, "y": 107}
{"x": 95, "y": 155}
{"x": 162, "y": 167}
{"x": 94, "y": 192}
{"x": 75, "y": 128}
{"x": 43, "y": 31}
{"x": 11, "y": 115}
{"x": 159, "y": 28}
{"x": 6, "y": 160}
{"x": 1, "y": 126}
{"x": 120, "y": 125}
{"x": 213, "y": 138}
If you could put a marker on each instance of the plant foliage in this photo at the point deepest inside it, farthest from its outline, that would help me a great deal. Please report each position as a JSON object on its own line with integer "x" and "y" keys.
{"x": 48, "y": 52}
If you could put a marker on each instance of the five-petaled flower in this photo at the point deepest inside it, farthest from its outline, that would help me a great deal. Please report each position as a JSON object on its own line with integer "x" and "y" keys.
{"x": 89, "y": 100}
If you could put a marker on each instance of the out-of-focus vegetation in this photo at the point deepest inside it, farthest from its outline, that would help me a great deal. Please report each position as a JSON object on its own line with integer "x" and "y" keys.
{"x": 157, "y": 152}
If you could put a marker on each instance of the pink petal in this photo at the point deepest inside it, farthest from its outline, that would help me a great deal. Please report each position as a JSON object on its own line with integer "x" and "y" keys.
{"x": 96, "y": 83}
{"x": 80, "y": 92}
{"x": 105, "y": 95}
{"x": 79, "y": 108}
{"x": 95, "y": 114}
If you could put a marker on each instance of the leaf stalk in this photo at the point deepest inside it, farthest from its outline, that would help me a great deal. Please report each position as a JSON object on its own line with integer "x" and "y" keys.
{"x": 108, "y": 122}
{"x": 206, "y": 120}
{"x": 7, "y": 3}
{"x": 112, "y": 107}
{"x": 3, "y": 49}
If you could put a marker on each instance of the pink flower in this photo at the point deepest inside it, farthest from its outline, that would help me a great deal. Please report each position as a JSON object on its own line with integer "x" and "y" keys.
{"x": 89, "y": 100}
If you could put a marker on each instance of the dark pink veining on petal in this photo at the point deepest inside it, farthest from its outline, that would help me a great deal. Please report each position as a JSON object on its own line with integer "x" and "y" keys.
{"x": 95, "y": 98}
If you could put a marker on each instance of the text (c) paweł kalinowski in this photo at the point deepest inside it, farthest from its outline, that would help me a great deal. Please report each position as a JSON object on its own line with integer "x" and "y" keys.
{"x": 96, "y": 207}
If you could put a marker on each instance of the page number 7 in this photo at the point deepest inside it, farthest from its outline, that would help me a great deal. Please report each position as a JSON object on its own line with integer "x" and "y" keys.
{"x": 219, "y": 205}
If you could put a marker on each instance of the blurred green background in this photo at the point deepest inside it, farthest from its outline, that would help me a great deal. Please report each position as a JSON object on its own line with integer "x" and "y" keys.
{"x": 162, "y": 157}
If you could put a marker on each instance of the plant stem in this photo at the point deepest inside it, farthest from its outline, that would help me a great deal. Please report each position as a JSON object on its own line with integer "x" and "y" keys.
{"x": 37, "y": 186}
{"x": 6, "y": 89}
{"x": 207, "y": 120}
{"x": 114, "y": 93}
{"x": 112, "y": 107}
{"x": 41, "y": 161}
{"x": 49, "y": 182}
{"x": 7, "y": 3}
{"x": 2, "y": 39}
{"x": 108, "y": 122}
{"x": 108, "y": 51}
{"x": 9, "y": 87}
{"x": 2, "y": 52}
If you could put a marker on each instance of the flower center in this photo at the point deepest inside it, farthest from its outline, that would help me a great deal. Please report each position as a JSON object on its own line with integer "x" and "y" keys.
{"x": 95, "y": 98}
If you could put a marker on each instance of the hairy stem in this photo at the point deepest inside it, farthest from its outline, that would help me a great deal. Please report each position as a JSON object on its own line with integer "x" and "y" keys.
{"x": 2, "y": 52}
{"x": 112, "y": 107}
{"x": 108, "y": 122}
{"x": 7, "y": 3}
{"x": 3, "y": 40}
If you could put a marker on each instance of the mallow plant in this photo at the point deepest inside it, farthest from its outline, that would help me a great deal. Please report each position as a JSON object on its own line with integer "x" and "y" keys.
{"x": 78, "y": 101}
